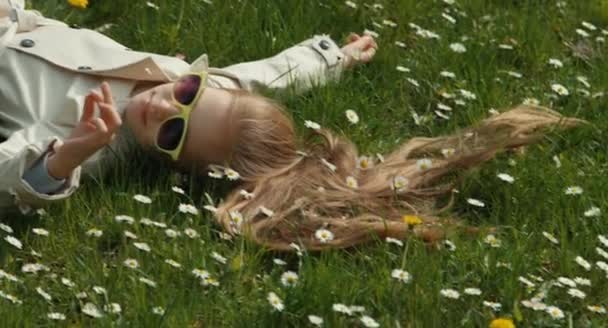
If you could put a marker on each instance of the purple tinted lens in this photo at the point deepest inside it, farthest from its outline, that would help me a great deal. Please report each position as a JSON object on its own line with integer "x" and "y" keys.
{"x": 170, "y": 133}
{"x": 185, "y": 89}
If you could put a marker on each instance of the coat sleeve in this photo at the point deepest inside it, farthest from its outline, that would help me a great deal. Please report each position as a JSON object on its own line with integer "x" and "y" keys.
{"x": 17, "y": 155}
{"x": 312, "y": 62}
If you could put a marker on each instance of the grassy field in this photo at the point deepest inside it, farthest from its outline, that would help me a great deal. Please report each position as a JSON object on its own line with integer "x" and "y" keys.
{"x": 515, "y": 51}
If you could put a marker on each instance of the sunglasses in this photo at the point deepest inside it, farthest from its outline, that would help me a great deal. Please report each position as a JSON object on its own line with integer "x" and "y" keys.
{"x": 172, "y": 133}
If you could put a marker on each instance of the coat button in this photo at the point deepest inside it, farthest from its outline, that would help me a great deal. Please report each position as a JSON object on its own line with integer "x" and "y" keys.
{"x": 27, "y": 43}
{"x": 84, "y": 68}
{"x": 324, "y": 44}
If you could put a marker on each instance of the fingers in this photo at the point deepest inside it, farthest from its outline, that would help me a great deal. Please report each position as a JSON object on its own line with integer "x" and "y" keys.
{"x": 89, "y": 108}
{"x": 110, "y": 116}
{"x": 107, "y": 93}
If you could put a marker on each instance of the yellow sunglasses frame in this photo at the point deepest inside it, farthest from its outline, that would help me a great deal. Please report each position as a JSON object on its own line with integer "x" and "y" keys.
{"x": 184, "y": 113}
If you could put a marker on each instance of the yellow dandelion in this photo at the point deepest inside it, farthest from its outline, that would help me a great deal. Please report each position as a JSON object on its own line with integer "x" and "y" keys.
{"x": 80, "y": 4}
{"x": 502, "y": 323}
{"x": 412, "y": 220}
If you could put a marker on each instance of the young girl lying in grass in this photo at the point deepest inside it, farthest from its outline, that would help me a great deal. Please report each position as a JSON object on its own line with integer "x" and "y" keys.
{"x": 315, "y": 194}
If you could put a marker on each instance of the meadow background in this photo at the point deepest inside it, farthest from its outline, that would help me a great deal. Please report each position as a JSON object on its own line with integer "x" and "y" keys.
{"x": 508, "y": 45}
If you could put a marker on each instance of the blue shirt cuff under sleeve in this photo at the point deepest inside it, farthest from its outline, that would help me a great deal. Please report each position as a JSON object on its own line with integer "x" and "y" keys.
{"x": 38, "y": 177}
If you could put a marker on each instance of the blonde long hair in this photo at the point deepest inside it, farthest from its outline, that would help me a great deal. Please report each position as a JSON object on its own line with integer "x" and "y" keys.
{"x": 291, "y": 194}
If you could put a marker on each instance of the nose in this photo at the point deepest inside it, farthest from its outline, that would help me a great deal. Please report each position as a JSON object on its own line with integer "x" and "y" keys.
{"x": 163, "y": 110}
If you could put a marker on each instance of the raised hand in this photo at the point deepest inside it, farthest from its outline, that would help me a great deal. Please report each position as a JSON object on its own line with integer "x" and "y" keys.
{"x": 91, "y": 134}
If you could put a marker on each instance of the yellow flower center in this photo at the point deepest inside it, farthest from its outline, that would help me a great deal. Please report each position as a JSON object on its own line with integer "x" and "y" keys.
{"x": 502, "y": 323}
{"x": 412, "y": 220}
{"x": 81, "y": 4}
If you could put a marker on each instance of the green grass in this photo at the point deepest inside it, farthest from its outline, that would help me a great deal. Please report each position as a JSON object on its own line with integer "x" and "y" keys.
{"x": 236, "y": 31}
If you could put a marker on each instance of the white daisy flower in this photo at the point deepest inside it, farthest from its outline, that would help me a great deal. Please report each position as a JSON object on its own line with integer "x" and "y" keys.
{"x": 588, "y": 26}
{"x": 467, "y": 94}
{"x": 14, "y": 241}
{"x": 44, "y": 294}
{"x": 124, "y": 218}
{"x": 413, "y": 82}
{"x": 275, "y": 301}
{"x": 582, "y": 262}
{"x": 91, "y": 310}
{"x": 447, "y": 152}
{"x": 236, "y": 220}
{"x": 114, "y": 308}
{"x": 289, "y": 278}
{"x": 450, "y": 246}
{"x": 401, "y": 275}
{"x": 100, "y": 290}
{"x": 458, "y": 47}
{"x": 601, "y": 252}
{"x": 8, "y": 276}
{"x": 493, "y": 305}
{"x": 266, "y": 211}
{"x": 556, "y": 63}
{"x": 526, "y": 282}
{"x": 492, "y": 241}
{"x": 400, "y": 183}
{"x": 188, "y": 209}
{"x": 12, "y": 298}
{"x": 472, "y": 291}
{"x": 352, "y": 116}
{"x": 566, "y": 281}
{"x": 247, "y": 195}
{"x": 142, "y": 199}
{"x": 505, "y": 46}
{"x": 442, "y": 115}
{"x": 369, "y": 322}
{"x": 449, "y": 293}
{"x": 364, "y": 162}
{"x": 602, "y": 265}
{"x": 159, "y": 310}
{"x": 583, "y": 80}
{"x": 560, "y": 89}
{"x": 6, "y": 228}
{"x": 550, "y": 237}
{"x": 402, "y": 69}
{"x": 56, "y": 316}
{"x": 200, "y": 273}
{"x": 315, "y": 320}
{"x": 444, "y": 107}
{"x": 142, "y": 246}
{"x": 329, "y": 165}
{"x": 603, "y": 240}
{"x": 129, "y": 234}
{"x": 148, "y": 282}
{"x": 152, "y": 5}
{"x": 178, "y": 190}
{"x": 374, "y": 34}
{"x": 351, "y": 4}
{"x": 389, "y": 23}
{"x": 324, "y": 235}
{"x": 597, "y": 309}
{"x": 424, "y": 164}
{"x": 592, "y": 212}
{"x": 400, "y": 44}
{"x": 279, "y": 261}
{"x": 447, "y": 74}
{"x": 573, "y": 190}
{"x": 210, "y": 208}
{"x": 351, "y": 182}
{"x": 231, "y": 174}
{"x": 338, "y": 307}
{"x": 173, "y": 263}
{"x": 582, "y": 33}
{"x": 219, "y": 258}
{"x": 475, "y": 202}
{"x": 505, "y": 177}
{"x": 131, "y": 263}
{"x": 582, "y": 281}
{"x": 34, "y": 268}
{"x": 448, "y": 18}
{"x": 312, "y": 125}
{"x": 534, "y": 304}
{"x": 171, "y": 233}
{"x": 395, "y": 241}
{"x": 40, "y": 231}
{"x": 191, "y": 233}
{"x": 555, "y": 312}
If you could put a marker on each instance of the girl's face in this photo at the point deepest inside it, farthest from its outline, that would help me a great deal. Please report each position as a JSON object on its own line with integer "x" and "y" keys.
{"x": 209, "y": 136}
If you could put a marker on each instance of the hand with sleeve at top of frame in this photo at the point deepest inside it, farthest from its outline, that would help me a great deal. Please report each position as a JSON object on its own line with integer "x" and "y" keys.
{"x": 359, "y": 49}
{"x": 91, "y": 134}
